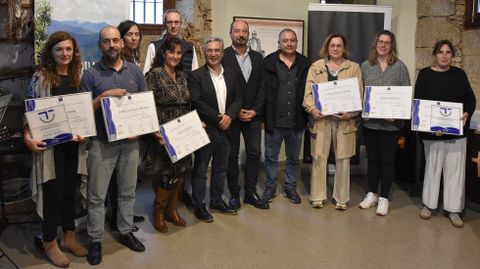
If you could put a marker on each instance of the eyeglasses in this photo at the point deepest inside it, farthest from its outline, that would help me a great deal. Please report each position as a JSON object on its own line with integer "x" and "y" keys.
{"x": 173, "y": 22}
{"x": 386, "y": 43}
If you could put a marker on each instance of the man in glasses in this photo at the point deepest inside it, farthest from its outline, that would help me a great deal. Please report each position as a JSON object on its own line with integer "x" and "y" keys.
{"x": 173, "y": 22}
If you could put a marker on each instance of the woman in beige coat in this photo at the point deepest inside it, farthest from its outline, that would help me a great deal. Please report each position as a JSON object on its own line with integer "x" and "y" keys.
{"x": 338, "y": 130}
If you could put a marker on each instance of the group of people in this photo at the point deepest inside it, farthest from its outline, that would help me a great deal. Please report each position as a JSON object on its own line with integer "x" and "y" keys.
{"x": 236, "y": 93}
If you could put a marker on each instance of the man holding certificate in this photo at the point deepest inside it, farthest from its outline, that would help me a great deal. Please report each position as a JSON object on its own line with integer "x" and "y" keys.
{"x": 443, "y": 152}
{"x": 214, "y": 94}
{"x": 112, "y": 76}
{"x": 338, "y": 130}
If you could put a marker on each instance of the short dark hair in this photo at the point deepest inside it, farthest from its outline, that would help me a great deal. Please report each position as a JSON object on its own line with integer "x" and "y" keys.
{"x": 231, "y": 24}
{"x": 168, "y": 44}
{"x": 439, "y": 45}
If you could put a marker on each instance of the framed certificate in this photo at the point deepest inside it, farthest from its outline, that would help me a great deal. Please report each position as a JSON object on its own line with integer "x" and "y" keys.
{"x": 184, "y": 135}
{"x": 130, "y": 115}
{"x": 337, "y": 96}
{"x": 50, "y": 125}
{"x": 433, "y": 116}
{"x": 79, "y": 110}
{"x": 387, "y": 102}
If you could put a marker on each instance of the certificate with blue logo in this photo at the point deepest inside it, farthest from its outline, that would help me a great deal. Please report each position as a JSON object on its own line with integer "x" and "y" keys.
{"x": 79, "y": 110}
{"x": 184, "y": 135}
{"x": 130, "y": 115}
{"x": 387, "y": 102}
{"x": 337, "y": 96}
{"x": 50, "y": 125}
{"x": 437, "y": 116}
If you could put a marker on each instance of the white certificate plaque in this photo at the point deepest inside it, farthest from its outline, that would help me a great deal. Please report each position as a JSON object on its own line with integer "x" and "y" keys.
{"x": 50, "y": 125}
{"x": 434, "y": 116}
{"x": 337, "y": 96}
{"x": 130, "y": 115}
{"x": 79, "y": 110}
{"x": 184, "y": 135}
{"x": 387, "y": 102}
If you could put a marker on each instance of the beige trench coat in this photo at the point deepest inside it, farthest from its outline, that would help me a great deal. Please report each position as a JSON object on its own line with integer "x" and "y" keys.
{"x": 346, "y": 139}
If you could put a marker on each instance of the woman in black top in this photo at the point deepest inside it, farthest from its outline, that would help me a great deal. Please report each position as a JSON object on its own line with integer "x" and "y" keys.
{"x": 444, "y": 82}
{"x": 56, "y": 170}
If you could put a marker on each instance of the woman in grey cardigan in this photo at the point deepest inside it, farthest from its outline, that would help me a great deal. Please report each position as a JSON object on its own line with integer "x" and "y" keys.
{"x": 382, "y": 68}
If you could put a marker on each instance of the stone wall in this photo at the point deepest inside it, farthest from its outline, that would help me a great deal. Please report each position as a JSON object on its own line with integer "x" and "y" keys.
{"x": 444, "y": 19}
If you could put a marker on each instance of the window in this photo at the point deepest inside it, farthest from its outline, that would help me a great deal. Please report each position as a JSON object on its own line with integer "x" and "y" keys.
{"x": 472, "y": 14}
{"x": 146, "y": 11}
{"x": 149, "y": 14}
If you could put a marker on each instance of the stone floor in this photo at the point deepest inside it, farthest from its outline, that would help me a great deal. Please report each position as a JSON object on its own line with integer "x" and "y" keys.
{"x": 285, "y": 236}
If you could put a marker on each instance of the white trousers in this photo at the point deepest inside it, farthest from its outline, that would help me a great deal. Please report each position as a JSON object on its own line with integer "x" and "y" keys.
{"x": 449, "y": 156}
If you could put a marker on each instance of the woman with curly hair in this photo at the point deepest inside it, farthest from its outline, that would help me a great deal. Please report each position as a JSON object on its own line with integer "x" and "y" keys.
{"x": 56, "y": 170}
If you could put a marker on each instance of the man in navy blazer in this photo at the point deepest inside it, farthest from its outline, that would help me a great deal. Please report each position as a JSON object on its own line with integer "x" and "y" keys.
{"x": 248, "y": 67}
{"x": 214, "y": 95}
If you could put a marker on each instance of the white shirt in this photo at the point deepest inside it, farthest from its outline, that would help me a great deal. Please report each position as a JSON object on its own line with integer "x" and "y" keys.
{"x": 151, "y": 56}
{"x": 220, "y": 89}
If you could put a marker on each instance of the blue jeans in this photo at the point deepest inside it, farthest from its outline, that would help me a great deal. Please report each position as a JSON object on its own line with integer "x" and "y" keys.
{"x": 218, "y": 150}
{"x": 251, "y": 135}
{"x": 273, "y": 142}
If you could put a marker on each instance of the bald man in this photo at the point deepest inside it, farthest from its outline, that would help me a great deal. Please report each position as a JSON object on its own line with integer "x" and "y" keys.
{"x": 112, "y": 76}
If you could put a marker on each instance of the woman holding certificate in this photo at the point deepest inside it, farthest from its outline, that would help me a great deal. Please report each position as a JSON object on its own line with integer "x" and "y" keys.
{"x": 382, "y": 68}
{"x": 56, "y": 170}
{"x": 337, "y": 130}
{"x": 443, "y": 152}
{"x": 169, "y": 85}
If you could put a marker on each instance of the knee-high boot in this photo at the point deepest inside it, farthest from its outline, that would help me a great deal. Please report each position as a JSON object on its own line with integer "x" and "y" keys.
{"x": 172, "y": 213}
{"x": 160, "y": 206}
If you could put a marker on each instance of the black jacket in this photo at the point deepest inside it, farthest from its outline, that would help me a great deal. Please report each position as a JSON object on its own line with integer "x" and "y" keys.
{"x": 253, "y": 97}
{"x": 270, "y": 87}
{"x": 204, "y": 98}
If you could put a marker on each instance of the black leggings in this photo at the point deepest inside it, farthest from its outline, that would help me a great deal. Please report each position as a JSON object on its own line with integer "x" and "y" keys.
{"x": 59, "y": 193}
{"x": 381, "y": 148}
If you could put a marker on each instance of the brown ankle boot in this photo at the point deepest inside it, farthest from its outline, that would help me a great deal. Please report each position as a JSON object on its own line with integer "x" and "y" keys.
{"x": 70, "y": 243}
{"x": 161, "y": 200}
{"x": 54, "y": 254}
{"x": 172, "y": 213}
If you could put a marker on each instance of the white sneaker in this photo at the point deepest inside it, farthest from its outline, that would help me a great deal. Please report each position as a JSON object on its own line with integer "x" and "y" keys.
{"x": 369, "y": 201}
{"x": 382, "y": 208}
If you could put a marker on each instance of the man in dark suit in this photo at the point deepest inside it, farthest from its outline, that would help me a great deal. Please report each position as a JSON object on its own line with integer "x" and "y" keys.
{"x": 248, "y": 67}
{"x": 214, "y": 95}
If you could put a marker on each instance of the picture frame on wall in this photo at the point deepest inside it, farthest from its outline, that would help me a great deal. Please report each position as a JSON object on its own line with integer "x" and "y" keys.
{"x": 264, "y": 32}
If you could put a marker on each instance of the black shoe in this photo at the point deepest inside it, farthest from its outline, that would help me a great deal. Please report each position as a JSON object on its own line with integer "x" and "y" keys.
{"x": 268, "y": 194}
{"x": 131, "y": 242}
{"x": 255, "y": 200}
{"x": 292, "y": 195}
{"x": 94, "y": 255}
{"x": 234, "y": 202}
{"x": 202, "y": 214}
{"x": 222, "y": 207}
{"x": 137, "y": 219}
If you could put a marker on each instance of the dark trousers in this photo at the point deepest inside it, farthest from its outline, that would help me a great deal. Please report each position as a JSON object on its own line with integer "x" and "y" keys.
{"x": 218, "y": 150}
{"x": 251, "y": 132}
{"x": 381, "y": 148}
{"x": 59, "y": 193}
